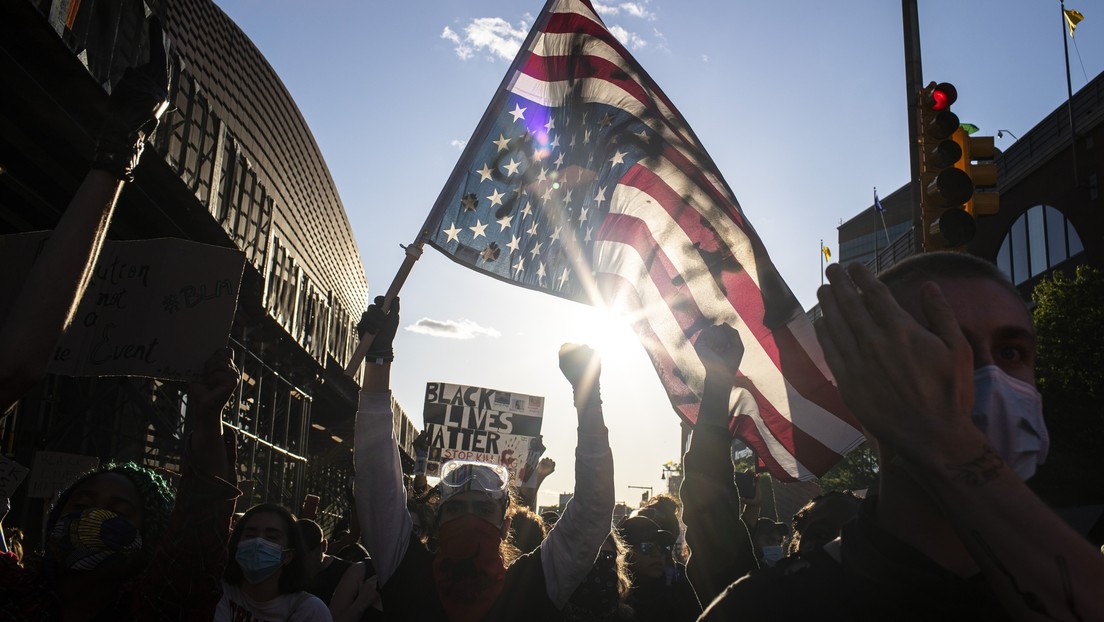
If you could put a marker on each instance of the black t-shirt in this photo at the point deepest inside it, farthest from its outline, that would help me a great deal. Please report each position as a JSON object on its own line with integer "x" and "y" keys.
{"x": 878, "y": 577}
{"x": 325, "y": 582}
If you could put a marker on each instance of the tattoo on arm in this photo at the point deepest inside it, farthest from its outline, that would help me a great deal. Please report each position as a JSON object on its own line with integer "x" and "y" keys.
{"x": 980, "y": 470}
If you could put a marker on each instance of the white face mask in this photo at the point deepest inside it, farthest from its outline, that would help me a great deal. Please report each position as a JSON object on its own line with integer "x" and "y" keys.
{"x": 1010, "y": 413}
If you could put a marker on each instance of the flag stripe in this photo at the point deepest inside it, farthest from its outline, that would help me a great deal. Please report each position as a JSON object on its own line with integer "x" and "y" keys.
{"x": 776, "y": 436}
{"x": 742, "y": 292}
{"x": 562, "y": 23}
{"x": 661, "y": 272}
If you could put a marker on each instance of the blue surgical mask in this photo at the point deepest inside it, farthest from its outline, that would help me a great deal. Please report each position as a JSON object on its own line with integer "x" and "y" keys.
{"x": 772, "y": 554}
{"x": 1010, "y": 413}
{"x": 259, "y": 559}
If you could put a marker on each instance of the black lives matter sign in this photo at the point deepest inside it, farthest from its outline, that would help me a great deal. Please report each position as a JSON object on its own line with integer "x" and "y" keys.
{"x": 476, "y": 423}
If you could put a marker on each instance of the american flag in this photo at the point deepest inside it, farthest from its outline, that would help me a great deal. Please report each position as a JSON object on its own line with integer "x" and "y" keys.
{"x": 582, "y": 180}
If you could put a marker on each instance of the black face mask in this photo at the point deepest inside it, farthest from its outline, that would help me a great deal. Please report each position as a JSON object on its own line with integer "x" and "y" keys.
{"x": 598, "y": 592}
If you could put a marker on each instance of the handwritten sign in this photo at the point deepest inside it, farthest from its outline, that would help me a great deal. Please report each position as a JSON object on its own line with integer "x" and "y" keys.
{"x": 475, "y": 423}
{"x": 52, "y": 471}
{"x": 155, "y": 308}
{"x": 11, "y": 475}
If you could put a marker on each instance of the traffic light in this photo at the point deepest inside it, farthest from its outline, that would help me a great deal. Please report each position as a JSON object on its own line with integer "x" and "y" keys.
{"x": 945, "y": 186}
{"x": 978, "y": 153}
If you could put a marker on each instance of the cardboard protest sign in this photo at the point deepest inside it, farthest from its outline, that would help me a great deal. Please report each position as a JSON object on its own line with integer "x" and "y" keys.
{"x": 476, "y": 423}
{"x": 52, "y": 471}
{"x": 11, "y": 475}
{"x": 155, "y": 308}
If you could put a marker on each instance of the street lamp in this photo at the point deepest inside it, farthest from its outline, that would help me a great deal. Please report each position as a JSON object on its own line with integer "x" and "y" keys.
{"x": 672, "y": 473}
{"x": 646, "y": 494}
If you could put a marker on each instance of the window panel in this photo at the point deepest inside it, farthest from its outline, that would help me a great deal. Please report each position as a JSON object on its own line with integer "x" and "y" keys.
{"x": 1075, "y": 245}
{"x": 1056, "y": 236}
{"x": 1018, "y": 235}
{"x": 1004, "y": 257}
{"x": 1036, "y": 240}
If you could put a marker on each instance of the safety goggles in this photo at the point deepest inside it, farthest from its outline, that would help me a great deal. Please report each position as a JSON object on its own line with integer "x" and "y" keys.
{"x": 459, "y": 476}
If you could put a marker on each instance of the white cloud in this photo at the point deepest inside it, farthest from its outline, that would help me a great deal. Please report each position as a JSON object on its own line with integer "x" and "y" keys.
{"x": 459, "y": 144}
{"x": 630, "y": 40}
{"x": 492, "y": 35}
{"x": 633, "y": 9}
{"x": 463, "y": 50}
{"x": 637, "y": 10}
{"x": 451, "y": 329}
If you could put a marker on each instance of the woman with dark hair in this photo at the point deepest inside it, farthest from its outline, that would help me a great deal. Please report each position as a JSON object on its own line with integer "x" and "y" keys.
{"x": 266, "y": 575}
{"x": 121, "y": 546}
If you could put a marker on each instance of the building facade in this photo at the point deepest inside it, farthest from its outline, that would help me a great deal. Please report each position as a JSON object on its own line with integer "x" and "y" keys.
{"x": 232, "y": 164}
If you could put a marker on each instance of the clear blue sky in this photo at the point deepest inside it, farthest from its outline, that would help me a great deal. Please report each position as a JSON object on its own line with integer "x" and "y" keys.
{"x": 802, "y": 106}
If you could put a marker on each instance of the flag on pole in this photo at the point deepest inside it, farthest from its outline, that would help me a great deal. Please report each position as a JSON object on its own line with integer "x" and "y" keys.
{"x": 827, "y": 253}
{"x": 878, "y": 203}
{"x": 1072, "y": 19}
{"x": 583, "y": 181}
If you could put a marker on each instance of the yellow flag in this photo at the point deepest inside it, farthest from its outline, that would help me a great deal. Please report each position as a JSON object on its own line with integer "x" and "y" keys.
{"x": 827, "y": 253}
{"x": 1072, "y": 19}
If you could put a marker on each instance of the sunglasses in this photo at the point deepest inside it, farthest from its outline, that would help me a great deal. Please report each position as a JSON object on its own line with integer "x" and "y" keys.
{"x": 651, "y": 548}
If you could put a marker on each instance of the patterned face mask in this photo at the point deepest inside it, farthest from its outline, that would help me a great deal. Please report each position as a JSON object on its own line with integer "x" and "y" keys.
{"x": 94, "y": 539}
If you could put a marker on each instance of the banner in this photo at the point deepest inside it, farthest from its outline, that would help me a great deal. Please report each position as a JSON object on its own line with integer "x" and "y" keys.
{"x": 156, "y": 308}
{"x": 11, "y": 475}
{"x": 476, "y": 423}
{"x": 52, "y": 471}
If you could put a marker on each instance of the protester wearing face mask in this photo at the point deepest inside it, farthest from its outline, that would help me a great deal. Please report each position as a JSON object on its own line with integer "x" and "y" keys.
{"x": 266, "y": 577}
{"x": 651, "y": 596}
{"x": 469, "y": 578}
{"x": 936, "y": 361}
{"x": 119, "y": 544}
{"x": 768, "y": 537}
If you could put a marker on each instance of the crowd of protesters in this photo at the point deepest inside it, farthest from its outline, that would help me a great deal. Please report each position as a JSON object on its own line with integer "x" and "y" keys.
{"x": 935, "y": 358}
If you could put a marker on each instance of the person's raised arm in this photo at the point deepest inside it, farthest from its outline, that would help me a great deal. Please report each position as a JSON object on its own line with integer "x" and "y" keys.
{"x": 206, "y": 400}
{"x": 55, "y": 284}
{"x": 385, "y": 524}
{"x": 911, "y": 387}
{"x": 183, "y": 579}
{"x": 569, "y": 551}
{"x": 720, "y": 548}
{"x": 545, "y": 467}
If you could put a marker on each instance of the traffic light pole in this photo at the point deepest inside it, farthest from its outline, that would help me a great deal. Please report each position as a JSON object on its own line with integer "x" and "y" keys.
{"x": 914, "y": 79}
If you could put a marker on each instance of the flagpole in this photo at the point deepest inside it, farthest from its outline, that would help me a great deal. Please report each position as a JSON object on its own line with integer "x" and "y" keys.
{"x": 1069, "y": 95}
{"x": 822, "y": 261}
{"x": 413, "y": 253}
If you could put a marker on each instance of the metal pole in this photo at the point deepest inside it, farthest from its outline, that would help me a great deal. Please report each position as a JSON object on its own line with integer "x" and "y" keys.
{"x": 822, "y": 261}
{"x": 914, "y": 79}
{"x": 1069, "y": 96}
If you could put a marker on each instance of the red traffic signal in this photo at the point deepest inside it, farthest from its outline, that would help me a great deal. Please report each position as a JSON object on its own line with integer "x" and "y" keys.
{"x": 942, "y": 96}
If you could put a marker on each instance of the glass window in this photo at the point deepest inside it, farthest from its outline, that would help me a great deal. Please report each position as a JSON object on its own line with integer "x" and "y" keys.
{"x": 1075, "y": 245}
{"x": 1018, "y": 234}
{"x": 1039, "y": 240}
{"x": 1036, "y": 240}
{"x": 1056, "y": 236}
{"x": 1004, "y": 257}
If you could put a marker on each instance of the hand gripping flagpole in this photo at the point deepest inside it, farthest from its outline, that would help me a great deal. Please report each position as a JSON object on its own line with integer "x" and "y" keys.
{"x": 413, "y": 253}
